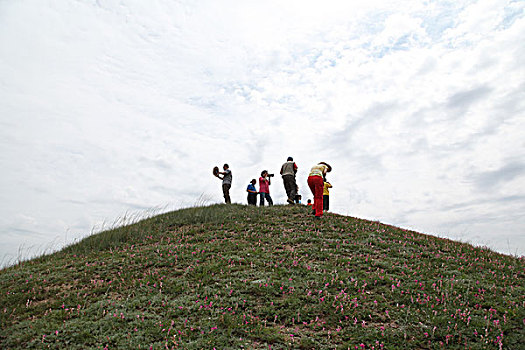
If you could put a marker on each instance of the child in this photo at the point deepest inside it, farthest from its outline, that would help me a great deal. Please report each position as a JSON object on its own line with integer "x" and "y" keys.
{"x": 252, "y": 193}
{"x": 326, "y": 195}
{"x": 309, "y": 203}
{"x": 298, "y": 197}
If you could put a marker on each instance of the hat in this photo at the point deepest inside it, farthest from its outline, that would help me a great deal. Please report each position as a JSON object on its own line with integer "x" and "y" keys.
{"x": 328, "y": 165}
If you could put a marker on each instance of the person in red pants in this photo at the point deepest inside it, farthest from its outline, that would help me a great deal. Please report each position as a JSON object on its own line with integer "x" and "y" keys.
{"x": 316, "y": 184}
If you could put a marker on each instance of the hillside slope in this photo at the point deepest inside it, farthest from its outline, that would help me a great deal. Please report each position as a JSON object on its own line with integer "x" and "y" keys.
{"x": 269, "y": 278}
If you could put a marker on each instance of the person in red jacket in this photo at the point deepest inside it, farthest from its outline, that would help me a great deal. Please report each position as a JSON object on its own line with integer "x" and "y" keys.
{"x": 264, "y": 188}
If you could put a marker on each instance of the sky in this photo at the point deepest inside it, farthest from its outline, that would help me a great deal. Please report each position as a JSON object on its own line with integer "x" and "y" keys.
{"x": 115, "y": 110}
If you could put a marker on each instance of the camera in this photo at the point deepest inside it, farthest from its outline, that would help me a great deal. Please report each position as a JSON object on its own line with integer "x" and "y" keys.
{"x": 271, "y": 175}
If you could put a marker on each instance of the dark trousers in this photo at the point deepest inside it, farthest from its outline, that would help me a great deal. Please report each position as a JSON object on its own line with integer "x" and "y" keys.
{"x": 326, "y": 202}
{"x": 226, "y": 192}
{"x": 290, "y": 186}
{"x": 268, "y": 198}
{"x": 252, "y": 198}
{"x": 316, "y": 185}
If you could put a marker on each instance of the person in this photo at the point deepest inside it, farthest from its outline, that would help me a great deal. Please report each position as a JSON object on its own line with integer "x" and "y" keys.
{"x": 309, "y": 203}
{"x": 252, "y": 193}
{"x": 326, "y": 195}
{"x": 288, "y": 171}
{"x": 226, "y": 182}
{"x": 298, "y": 197}
{"x": 316, "y": 184}
{"x": 264, "y": 188}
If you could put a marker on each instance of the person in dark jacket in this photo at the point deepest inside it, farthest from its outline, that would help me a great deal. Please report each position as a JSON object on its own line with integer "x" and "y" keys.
{"x": 288, "y": 171}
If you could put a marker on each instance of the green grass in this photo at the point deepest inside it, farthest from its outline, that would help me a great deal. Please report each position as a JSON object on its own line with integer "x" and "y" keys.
{"x": 231, "y": 276}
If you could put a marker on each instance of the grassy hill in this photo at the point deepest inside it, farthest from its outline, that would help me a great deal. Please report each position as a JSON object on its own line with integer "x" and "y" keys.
{"x": 264, "y": 278}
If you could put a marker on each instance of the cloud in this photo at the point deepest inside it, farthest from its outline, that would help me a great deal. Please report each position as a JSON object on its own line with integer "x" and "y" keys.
{"x": 109, "y": 107}
{"x": 487, "y": 180}
{"x": 464, "y": 99}
{"x": 487, "y": 200}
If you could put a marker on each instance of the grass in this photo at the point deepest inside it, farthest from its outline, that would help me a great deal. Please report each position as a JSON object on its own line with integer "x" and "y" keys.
{"x": 232, "y": 276}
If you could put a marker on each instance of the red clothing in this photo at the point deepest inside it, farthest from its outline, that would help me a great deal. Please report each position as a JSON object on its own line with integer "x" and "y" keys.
{"x": 316, "y": 185}
{"x": 264, "y": 187}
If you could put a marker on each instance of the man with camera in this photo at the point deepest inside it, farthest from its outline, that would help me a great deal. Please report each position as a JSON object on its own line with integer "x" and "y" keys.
{"x": 264, "y": 188}
{"x": 288, "y": 171}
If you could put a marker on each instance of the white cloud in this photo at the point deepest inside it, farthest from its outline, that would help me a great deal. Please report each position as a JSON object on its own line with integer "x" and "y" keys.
{"x": 108, "y": 106}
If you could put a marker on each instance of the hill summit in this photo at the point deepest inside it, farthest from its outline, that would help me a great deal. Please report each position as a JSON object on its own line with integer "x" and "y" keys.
{"x": 232, "y": 276}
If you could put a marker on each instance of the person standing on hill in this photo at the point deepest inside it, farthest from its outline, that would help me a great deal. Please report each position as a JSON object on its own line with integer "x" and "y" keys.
{"x": 316, "y": 184}
{"x": 264, "y": 188}
{"x": 326, "y": 195}
{"x": 288, "y": 171}
{"x": 226, "y": 182}
{"x": 252, "y": 193}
